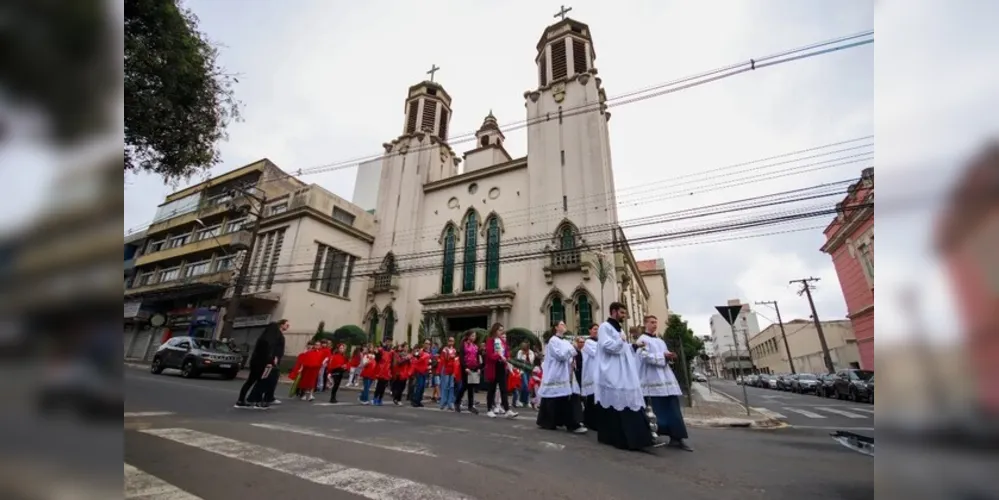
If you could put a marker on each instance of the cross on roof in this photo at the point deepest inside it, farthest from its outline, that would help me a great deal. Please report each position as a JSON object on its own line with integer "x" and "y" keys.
{"x": 562, "y": 12}
{"x": 433, "y": 69}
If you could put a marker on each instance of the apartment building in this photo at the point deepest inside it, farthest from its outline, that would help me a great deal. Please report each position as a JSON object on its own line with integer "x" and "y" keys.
{"x": 770, "y": 355}
{"x": 193, "y": 247}
{"x": 653, "y": 273}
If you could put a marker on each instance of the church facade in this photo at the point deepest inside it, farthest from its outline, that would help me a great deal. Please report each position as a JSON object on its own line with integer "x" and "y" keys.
{"x": 464, "y": 242}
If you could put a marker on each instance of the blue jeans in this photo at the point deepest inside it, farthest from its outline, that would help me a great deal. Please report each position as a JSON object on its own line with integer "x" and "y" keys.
{"x": 366, "y": 389}
{"x": 447, "y": 391}
{"x": 524, "y": 394}
{"x": 418, "y": 387}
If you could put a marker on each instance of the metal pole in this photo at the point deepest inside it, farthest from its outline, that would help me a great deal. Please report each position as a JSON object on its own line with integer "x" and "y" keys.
{"x": 738, "y": 358}
{"x": 241, "y": 280}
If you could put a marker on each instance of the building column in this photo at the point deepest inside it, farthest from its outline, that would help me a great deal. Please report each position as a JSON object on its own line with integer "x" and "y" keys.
{"x": 506, "y": 317}
{"x": 493, "y": 317}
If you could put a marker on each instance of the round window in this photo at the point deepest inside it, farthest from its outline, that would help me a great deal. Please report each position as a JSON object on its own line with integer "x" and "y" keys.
{"x": 473, "y": 188}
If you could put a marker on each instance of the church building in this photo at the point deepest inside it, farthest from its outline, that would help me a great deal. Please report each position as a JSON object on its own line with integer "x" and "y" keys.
{"x": 467, "y": 240}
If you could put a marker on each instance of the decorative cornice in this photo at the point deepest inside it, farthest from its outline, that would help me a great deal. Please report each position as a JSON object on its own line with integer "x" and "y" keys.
{"x": 307, "y": 211}
{"x": 500, "y": 168}
{"x": 847, "y": 229}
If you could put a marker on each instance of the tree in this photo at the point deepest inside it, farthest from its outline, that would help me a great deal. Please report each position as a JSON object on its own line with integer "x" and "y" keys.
{"x": 320, "y": 330}
{"x": 350, "y": 335}
{"x": 178, "y": 102}
{"x": 677, "y": 333}
{"x": 517, "y": 336}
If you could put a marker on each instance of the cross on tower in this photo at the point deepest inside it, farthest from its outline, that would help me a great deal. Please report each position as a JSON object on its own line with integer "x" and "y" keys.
{"x": 433, "y": 69}
{"x": 562, "y": 12}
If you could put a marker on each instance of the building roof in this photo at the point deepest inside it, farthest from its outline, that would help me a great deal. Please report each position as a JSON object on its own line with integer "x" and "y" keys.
{"x": 649, "y": 265}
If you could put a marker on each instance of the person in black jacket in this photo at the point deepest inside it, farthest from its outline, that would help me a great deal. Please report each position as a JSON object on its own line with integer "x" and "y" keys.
{"x": 263, "y": 377}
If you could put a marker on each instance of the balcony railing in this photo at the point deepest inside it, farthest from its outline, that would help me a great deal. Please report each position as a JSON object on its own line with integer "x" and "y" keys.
{"x": 384, "y": 282}
{"x": 564, "y": 260}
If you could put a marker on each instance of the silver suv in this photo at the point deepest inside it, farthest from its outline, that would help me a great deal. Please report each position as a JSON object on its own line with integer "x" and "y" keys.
{"x": 194, "y": 356}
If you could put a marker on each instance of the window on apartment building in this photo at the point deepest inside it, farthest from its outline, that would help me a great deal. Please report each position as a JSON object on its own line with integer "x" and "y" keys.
{"x": 144, "y": 279}
{"x": 197, "y": 268}
{"x": 155, "y": 246}
{"x": 263, "y": 267}
{"x": 344, "y": 216}
{"x": 208, "y": 232}
{"x": 218, "y": 199}
{"x": 280, "y": 208}
{"x": 332, "y": 270}
{"x": 235, "y": 225}
{"x": 178, "y": 241}
{"x": 169, "y": 274}
{"x": 224, "y": 263}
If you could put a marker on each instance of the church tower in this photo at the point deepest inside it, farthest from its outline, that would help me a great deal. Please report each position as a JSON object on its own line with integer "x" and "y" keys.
{"x": 419, "y": 156}
{"x": 567, "y": 139}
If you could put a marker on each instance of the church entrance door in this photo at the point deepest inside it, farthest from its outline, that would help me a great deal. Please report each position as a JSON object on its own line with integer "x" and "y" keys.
{"x": 456, "y": 325}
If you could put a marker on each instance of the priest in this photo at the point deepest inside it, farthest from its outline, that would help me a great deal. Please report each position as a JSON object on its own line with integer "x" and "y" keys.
{"x": 660, "y": 386}
{"x": 559, "y": 391}
{"x": 617, "y": 391}
{"x": 589, "y": 375}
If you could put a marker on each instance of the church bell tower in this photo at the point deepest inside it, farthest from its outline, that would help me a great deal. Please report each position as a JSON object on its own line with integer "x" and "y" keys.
{"x": 567, "y": 140}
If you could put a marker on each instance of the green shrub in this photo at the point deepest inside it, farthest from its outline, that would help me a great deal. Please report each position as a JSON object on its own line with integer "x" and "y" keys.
{"x": 517, "y": 336}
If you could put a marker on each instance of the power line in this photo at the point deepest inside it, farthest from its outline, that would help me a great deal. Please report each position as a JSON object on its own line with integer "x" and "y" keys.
{"x": 786, "y": 56}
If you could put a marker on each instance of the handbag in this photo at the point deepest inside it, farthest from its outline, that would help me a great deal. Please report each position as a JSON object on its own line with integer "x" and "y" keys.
{"x": 474, "y": 378}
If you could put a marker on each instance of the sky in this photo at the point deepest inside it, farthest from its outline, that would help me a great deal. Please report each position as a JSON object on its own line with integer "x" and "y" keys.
{"x": 325, "y": 82}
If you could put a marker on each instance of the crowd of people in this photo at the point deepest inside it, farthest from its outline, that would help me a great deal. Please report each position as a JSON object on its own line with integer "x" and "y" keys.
{"x": 619, "y": 385}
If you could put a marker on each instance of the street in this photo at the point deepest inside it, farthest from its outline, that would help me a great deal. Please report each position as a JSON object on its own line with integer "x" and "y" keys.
{"x": 184, "y": 436}
{"x": 804, "y": 411}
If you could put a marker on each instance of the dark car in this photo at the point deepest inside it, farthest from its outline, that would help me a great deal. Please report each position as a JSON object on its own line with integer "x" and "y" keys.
{"x": 195, "y": 356}
{"x": 824, "y": 389}
{"x": 854, "y": 384}
{"x": 805, "y": 383}
{"x": 784, "y": 382}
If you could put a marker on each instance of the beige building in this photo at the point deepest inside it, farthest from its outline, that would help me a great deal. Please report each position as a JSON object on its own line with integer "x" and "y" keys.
{"x": 770, "y": 356}
{"x": 653, "y": 273}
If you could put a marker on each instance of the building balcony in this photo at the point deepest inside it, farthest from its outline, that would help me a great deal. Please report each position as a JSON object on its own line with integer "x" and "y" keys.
{"x": 573, "y": 260}
{"x": 129, "y": 265}
{"x": 217, "y": 280}
{"x": 236, "y": 239}
{"x": 383, "y": 283}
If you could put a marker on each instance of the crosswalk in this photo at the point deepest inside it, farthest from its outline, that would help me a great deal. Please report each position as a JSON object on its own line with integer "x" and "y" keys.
{"x": 821, "y": 412}
{"x": 361, "y": 482}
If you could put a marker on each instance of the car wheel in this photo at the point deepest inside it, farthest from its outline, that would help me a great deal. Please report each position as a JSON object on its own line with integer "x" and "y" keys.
{"x": 188, "y": 370}
{"x": 157, "y": 367}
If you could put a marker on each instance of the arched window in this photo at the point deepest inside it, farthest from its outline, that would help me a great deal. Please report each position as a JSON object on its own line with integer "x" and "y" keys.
{"x": 485, "y": 141}
{"x": 372, "y": 325}
{"x": 567, "y": 240}
{"x": 492, "y": 254}
{"x": 389, "y": 324}
{"x": 447, "y": 276}
{"x": 556, "y": 311}
{"x": 468, "y": 266}
{"x": 585, "y": 311}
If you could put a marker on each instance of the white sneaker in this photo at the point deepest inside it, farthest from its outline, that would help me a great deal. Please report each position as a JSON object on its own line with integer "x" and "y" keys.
{"x": 310, "y": 398}
{"x": 276, "y": 402}
{"x": 511, "y": 414}
{"x": 581, "y": 430}
{"x": 499, "y": 411}
{"x": 491, "y": 414}
{"x": 366, "y": 403}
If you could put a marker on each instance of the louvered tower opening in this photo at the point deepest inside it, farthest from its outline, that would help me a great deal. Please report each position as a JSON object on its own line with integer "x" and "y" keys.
{"x": 411, "y": 118}
{"x": 443, "y": 125}
{"x": 578, "y": 56}
{"x": 559, "y": 63}
{"x": 543, "y": 69}
{"x": 429, "y": 113}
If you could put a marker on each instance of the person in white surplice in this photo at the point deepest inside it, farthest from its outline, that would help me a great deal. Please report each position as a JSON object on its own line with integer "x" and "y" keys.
{"x": 559, "y": 390}
{"x": 587, "y": 383}
{"x": 621, "y": 420}
{"x": 660, "y": 386}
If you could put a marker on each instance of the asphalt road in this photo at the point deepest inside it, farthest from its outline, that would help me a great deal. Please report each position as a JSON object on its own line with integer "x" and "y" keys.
{"x": 184, "y": 435}
{"x": 804, "y": 411}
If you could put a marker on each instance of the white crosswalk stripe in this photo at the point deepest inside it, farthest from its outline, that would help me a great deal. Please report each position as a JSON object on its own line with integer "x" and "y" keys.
{"x": 864, "y": 410}
{"x": 140, "y": 485}
{"x": 837, "y": 411}
{"x": 364, "y": 483}
{"x": 145, "y": 414}
{"x": 415, "y": 450}
{"x": 806, "y": 413}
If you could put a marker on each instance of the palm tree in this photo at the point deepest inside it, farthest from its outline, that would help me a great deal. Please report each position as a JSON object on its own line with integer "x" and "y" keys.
{"x": 604, "y": 272}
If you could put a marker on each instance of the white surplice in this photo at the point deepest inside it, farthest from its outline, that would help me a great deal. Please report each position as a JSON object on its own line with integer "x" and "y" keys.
{"x": 655, "y": 373}
{"x": 589, "y": 367}
{"x": 557, "y": 377}
{"x": 617, "y": 385}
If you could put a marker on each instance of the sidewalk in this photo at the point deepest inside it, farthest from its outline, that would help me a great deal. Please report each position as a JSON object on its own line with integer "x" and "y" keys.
{"x": 715, "y": 409}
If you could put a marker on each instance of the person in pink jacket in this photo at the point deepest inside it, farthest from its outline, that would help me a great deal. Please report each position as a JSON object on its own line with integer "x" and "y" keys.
{"x": 495, "y": 373}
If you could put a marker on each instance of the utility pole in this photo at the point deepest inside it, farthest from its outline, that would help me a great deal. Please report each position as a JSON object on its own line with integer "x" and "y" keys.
{"x": 244, "y": 268}
{"x": 806, "y": 289}
{"x": 783, "y": 334}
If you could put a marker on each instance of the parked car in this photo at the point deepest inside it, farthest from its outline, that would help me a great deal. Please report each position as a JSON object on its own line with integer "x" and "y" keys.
{"x": 784, "y": 382}
{"x": 804, "y": 383}
{"x": 767, "y": 381}
{"x": 854, "y": 384}
{"x": 194, "y": 356}
{"x": 824, "y": 388}
{"x": 700, "y": 377}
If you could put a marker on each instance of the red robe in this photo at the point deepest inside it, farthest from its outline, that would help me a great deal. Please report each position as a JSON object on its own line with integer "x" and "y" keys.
{"x": 307, "y": 367}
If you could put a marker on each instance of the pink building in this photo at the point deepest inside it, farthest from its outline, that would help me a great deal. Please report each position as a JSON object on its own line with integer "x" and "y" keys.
{"x": 850, "y": 242}
{"x": 968, "y": 241}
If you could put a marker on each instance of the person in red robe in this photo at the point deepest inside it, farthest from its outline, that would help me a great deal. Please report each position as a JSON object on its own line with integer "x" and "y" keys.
{"x": 355, "y": 365}
{"x": 384, "y": 357}
{"x": 401, "y": 371}
{"x": 297, "y": 369}
{"x": 307, "y": 371}
{"x": 326, "y": 349}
